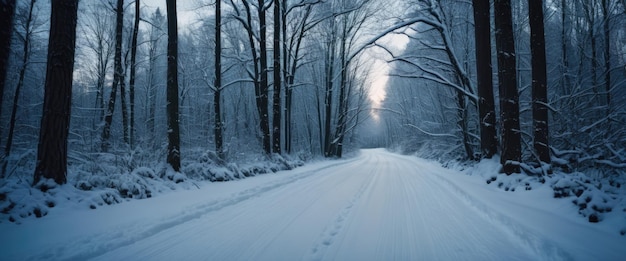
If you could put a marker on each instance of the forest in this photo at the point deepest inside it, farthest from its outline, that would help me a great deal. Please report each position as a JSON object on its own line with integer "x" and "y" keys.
{"x": 121, "y": 100}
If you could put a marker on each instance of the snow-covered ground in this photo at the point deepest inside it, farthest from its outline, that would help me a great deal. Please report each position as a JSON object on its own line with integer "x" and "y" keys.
{"x": 377, "y": 206}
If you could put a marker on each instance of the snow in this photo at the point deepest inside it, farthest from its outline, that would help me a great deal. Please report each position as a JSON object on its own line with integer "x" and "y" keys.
{"x": 376, "y": 206}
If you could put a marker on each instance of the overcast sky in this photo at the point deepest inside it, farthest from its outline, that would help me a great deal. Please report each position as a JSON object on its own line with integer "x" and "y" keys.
{"x": 186, "y": 9}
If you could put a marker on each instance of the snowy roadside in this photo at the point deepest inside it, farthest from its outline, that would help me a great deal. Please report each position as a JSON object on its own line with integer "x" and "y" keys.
{"x": 89, "y": 232}
{"x": 377, "y": 206}
{"x": 103, "y": 179}
{"x": 594, "y": 203}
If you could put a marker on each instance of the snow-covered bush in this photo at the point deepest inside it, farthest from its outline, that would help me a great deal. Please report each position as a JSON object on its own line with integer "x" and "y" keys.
{"x": 99, "y": 179}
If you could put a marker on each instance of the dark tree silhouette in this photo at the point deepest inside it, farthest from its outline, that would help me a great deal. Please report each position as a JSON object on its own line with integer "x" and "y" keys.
{"x": 118, "y": 73}
{"x": 486, "y": 105}
{"x": 133, "y": 71}
{"x": 507, "y": 84}
{"x": 173, "y": 127}
{"x": 263, "y": 96}
{"x": 26, "y": 52}
{"x": 276, "y": 106}
{"x": 7, "y": 11}
{"x": 55, "y": 120}
{"x": 217, "y": 107}
{"x": 539, "y": 80}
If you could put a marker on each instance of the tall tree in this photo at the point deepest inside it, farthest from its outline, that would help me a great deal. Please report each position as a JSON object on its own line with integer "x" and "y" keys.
{"x": 276, "y": 114}
{"x": 539, "y": 81}
{"x": 133, "y": 71}
{"x": 486, "y": 104}
{"x": 173, "y": 127}
{"x": 102, "y": 43}
{"x": 7, "y": 11}
{"x": 55, "y": 121}
{"x": 157, "y": 21}
{"x": 118, "y": 73}
{"x": 26, "y": 38}
{"x": 291, "y": 56}
{"x": 507, "y": 84}
{"x": 564, "y": 46}
{"x": 263, "y": 94}
{"x": 606, "y": 12}
{"x": 217, "y": 92}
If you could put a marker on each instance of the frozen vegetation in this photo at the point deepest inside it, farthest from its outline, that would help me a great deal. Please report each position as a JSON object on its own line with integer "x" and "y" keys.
{"x": 374, "y": 206}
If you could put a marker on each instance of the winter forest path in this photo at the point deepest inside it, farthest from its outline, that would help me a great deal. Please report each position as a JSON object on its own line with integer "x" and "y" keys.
{"x": 377, "y": 206}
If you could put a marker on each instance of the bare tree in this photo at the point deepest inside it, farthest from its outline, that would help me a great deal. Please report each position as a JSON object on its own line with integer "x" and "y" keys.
{"x": 173, "y": 127}
{"x": 133, "y": 71}
{"x": 118, "y": 74}
{"x": 263, "y": 94}
{"x": 606, "y": 12}
{"x": 292, "y": 50}
{"x": 156, "y": 32}
{"x": 7, "y": 10}
{"x": 539, "y": 81}
{"x": 486, "y": 105}
{"x": 26, "y": 37}
{"x": 101, "y": 42}
{"x": 276, "y": 106}
{"x": 507, "y": 84}
{"x": 55, "y": 121}
{"x": 217, "y": 91}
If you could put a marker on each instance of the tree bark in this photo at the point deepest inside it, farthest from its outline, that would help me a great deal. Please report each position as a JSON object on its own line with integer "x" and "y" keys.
{"x": 539, "y": 81}
{"x": 507, "y": 84}
{"x": 486, "y": 104}
{"x": 276, "y": 114}
{"x": 564, "y": 40}
{"x": 173, "y": 128}
{"x": 20, "y": 83}
{"x": 133, "y": 71}
{"x": 55, "y": 120}
{"x": 263, "y": 99}
{"x": 607, "y": 54}
{"x": 219, "y": 139}
{"x": 7, "y": 11}
{"x": 328, "y": 100}
{"x": 117, "y": 75}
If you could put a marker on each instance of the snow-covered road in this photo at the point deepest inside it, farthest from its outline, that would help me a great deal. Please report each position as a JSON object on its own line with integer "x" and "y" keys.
{"x": 377, "y": 206}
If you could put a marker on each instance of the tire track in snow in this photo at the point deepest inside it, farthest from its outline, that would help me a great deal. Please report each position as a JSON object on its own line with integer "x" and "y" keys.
{"x": 96, "y": 245}
{"x": 331, "y": 232}
{"x": 543, "y": 248}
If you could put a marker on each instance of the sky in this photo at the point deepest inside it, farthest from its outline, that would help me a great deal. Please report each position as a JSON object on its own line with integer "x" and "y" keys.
{"x": 186, "y": 9}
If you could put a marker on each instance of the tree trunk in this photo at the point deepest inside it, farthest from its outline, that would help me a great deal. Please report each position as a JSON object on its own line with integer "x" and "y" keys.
{"x": 7, "y": 11}
{"x": 26, "y": 56}
{"x": 219, "y": 140}
{"x": 607, "y": 54}
{"x": 287, "y": 77}
{"x": 173, "y": 128}
{"x": 263, "y": 99}
{"x": 539, "y": 81}
{"x": 290, "y": 66}
{"x": 117, "y": 75}
{"x": 591, "y": 12}
{"x": 125, "y": 133}
{"x": 507, "y": 84}
{"x": 328, "y": 101}
{"x": 564, "y": 40}
{"x": 55, "y": 120}
{"x": 486, "y": 104}
{"x": 133, "y": 71}
{"x": 276, "y": 115}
